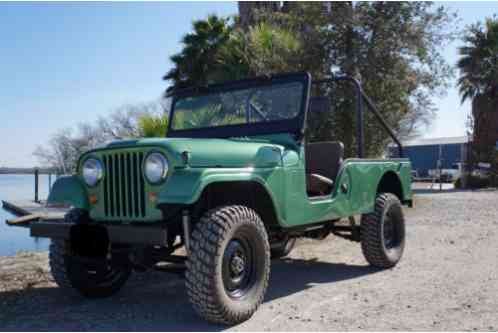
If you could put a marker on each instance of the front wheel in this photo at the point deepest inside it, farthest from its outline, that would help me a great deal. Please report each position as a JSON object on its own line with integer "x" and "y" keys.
{"x": 229, "y": 264}
{"x": 383, "y": 232}
{"x": 92, "y": 278}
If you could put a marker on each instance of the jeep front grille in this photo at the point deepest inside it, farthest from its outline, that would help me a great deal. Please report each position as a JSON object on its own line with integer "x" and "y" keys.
{"x": 124, "y": 194}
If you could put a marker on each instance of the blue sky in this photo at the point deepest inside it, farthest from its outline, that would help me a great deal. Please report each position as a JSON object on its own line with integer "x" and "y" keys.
{"x": 65, "y": 63}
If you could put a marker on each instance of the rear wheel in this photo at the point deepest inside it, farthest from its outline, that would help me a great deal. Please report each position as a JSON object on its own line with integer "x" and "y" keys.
{"x": 228, "y": 265}
{"x": 383, "y": 232}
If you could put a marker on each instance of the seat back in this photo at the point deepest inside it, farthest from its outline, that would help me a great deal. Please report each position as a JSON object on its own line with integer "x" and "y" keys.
{"x": 324, "y": 158}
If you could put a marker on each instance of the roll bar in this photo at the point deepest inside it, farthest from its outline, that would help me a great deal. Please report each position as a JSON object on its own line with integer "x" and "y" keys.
{"x": 360, "y": 98}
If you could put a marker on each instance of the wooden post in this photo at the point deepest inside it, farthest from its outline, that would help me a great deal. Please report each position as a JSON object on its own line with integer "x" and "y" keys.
{"x": 36, "y": 184}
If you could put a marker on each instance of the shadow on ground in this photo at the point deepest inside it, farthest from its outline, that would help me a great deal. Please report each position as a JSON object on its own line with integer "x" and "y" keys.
{"x": 151, "y": 301}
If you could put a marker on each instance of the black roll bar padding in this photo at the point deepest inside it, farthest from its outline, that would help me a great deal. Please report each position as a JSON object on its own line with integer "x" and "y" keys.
{"x": 360, "y": 97}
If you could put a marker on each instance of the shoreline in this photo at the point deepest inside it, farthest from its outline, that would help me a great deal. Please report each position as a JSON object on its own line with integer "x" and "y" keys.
{"x": 24, "y": 270}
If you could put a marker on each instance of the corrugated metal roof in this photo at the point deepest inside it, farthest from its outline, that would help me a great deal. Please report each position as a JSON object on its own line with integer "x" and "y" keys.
{"x": 437, "y": 141}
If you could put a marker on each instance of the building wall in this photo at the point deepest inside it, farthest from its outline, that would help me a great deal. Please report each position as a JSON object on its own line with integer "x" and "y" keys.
{"x": 424, "y": 158}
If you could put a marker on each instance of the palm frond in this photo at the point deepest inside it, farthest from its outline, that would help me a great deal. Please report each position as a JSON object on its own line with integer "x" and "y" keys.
{"x": 478, "y": 61}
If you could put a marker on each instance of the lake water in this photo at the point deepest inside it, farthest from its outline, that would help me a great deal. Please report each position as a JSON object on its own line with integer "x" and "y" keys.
{"x": 15, "y": 239}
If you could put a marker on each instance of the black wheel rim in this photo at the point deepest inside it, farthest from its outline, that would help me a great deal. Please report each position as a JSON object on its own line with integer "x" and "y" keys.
{"x": 392, "y": 231}
{"x": 238, "y": 268}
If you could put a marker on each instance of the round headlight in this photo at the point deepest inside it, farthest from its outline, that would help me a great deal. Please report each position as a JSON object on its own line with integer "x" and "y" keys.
{"x": 155, "y": 168}
{"x": 92, "y": 171}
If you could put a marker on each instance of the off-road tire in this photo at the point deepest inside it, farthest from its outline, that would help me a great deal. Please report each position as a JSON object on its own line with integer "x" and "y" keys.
{"x": 205, "y": 278}
{"x": 72, "y": 275}
{"x": 76, "y": 215}
{"x": 372, "y": 232}
{"x": 283, "y": 249}
{"x": 57, "y": 263}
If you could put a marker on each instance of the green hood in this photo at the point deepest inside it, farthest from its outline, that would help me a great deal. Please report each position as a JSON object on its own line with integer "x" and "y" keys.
{"x": 225, "y": 153}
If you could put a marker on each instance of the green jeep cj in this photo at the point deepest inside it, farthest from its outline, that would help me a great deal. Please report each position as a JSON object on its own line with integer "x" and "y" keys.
{"x": 234, "y": 184}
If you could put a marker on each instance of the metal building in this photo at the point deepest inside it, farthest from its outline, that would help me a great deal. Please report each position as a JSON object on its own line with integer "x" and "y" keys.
{"x": 425, "y": 153}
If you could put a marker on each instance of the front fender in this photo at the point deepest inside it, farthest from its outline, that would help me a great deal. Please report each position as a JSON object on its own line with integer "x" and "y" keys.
{"x": 68, "y": 191}
{"x": 185, "y": 186}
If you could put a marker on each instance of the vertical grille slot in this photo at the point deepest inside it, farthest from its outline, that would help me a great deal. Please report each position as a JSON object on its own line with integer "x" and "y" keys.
{"x": 110, "y": 179}
{"x": 106, "y": 186}
{"x": 124, "y": 203}
{"x": 117, "y": 185}
{"x": 124, "y": 186}
{"x": 141, "y": 177}
{"x": 129, "y": 185}
{"x": 136, "y": 197}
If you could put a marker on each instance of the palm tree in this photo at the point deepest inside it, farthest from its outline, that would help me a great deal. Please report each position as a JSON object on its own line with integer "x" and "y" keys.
{"x": 192, "y": 65}
{"x": 478, "y": 62}
{"x": 218, "y": 51}
{"x": 273, "y": 50}
{"x": 478, "y": 82}
{"x": 153, "y": 126}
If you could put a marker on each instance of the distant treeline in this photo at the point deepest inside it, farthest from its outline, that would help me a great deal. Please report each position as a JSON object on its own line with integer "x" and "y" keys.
{"x": 26, "y": 171}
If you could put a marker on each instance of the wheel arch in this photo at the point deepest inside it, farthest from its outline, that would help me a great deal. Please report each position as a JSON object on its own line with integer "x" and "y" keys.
{"x": 250, "y": 193}
{"x": 391, "y": 183}
{"x": 68, "y": 191}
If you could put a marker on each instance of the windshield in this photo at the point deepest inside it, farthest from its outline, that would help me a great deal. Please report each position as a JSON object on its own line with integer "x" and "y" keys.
{"x": 260, "y": 104}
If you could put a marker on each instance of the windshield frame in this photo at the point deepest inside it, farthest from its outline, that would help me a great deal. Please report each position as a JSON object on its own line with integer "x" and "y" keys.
{"x": 292, "y": 125}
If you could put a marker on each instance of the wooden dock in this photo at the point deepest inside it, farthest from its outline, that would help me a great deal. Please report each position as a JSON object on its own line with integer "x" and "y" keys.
{"x": 29, "y": 211}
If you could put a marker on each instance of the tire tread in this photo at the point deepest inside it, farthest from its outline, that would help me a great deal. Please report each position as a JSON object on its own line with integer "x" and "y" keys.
{"x": 371, "y": 237}
{"x": 205, "y": 253}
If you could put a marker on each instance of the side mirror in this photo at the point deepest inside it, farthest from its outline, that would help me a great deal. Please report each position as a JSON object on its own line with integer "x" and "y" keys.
{"x": 319, "y": 104}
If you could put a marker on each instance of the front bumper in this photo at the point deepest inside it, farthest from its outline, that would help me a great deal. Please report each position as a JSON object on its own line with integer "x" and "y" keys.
{"x": 121, "y": 234}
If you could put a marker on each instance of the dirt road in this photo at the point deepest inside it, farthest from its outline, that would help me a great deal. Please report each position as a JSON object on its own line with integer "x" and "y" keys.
{"x": 447, "y": 280}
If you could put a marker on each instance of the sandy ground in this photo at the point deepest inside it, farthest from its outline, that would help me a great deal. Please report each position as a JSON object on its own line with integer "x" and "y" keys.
{"x": 447, "y": 280}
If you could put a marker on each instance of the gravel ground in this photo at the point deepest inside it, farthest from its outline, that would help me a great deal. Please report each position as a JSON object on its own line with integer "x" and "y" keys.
{"x": 447, "y": 280}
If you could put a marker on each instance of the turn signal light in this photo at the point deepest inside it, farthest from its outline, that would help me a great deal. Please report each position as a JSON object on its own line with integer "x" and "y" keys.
{"x": 93, "y": 199}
